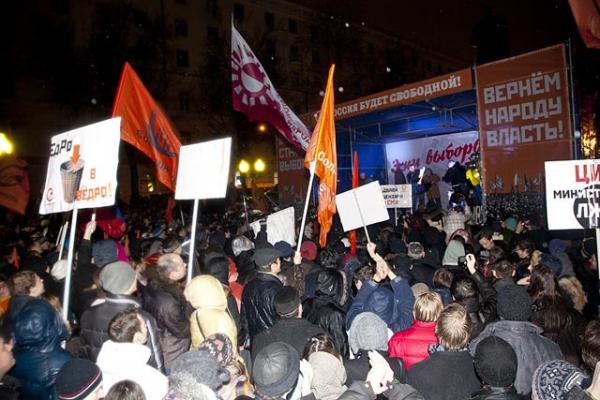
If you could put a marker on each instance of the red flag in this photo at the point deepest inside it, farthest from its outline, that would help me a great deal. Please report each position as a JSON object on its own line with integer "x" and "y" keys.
{"x": 169, "y": 210}
{"x": 145, "y": 125}
{"x": 321, "y": 149}
{"x": 352, "y": 235}
{"x": 253, "y": 94}
{"x": 14, "y": 184}
{"x": 587, "y": 18}
{"x": 14, "y": 258}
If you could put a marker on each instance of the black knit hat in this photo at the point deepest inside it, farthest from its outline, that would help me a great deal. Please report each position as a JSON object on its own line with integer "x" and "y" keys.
{"x": 514, "y": 304}
{"x": 276, "y": 369}
{"x": 77, "y": 379}
{"x": 496, "y": 362}
{"x": 287, "y": 301}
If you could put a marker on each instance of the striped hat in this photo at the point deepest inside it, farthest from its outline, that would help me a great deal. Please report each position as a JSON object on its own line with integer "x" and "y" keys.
{"x": 77, "y": 379}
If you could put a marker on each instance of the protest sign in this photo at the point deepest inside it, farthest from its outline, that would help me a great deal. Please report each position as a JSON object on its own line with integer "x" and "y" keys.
{"x": 82, "y": 169}
{"x": 361, "y": 207}
{"x": 397, "y": 196}
{"x": 280, "y": 226}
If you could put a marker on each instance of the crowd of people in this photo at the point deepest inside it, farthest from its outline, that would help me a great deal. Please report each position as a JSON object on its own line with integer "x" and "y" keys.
{"x": 433, "y": 308}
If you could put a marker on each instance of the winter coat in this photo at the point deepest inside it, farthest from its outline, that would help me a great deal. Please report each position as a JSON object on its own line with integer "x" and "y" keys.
{"x": 172, "y": 312}
{"x": 15, "y": 306}
{"x": 444, "y": 375}
{"x": 83, "y": 292}
{"x": 496, "y": 393}
{"x": 38, "y": 332}
{"x": 121, "y": 361}
{"x": 398, "y": 391}
{"x": 434, "y": 189}
{"x": 206, "y": 294}
{"x": 258, "y": 303}
{"x": 531, "y": 347}
{"x": 293, "y": 331}
{"x": 358, "y": 368}
{"x": 412, "y": 344}
{"x": 394, "y": 307}
{"x": 95, "y": 321}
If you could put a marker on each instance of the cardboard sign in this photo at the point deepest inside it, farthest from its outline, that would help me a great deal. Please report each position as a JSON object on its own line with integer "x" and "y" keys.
{"x": 203, "y": 170}
{"x": 366, "y": 200}
{"x": 397, "y": 196}
{"x": 280, "y": 226}
{"x": 573, "y": 194}
{"x": 82, "y": 169}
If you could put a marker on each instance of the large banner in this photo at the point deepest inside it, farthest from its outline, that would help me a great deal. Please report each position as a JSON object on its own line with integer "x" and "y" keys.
{"x": 292, "y": 177}
{"x": 433, "y": 152}
{"x": 82, "y": 169}
{"x": 523, "y": 105}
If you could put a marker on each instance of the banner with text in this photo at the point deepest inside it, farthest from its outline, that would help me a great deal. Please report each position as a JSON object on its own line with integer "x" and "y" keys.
{"x": 432, "y": 152}
{"x": 82, "y": 170}
{"x": 524, "y": 118}
{"x": 397, "y": 196}
{"x": 573, "y": 194}
{"x": 292, "y": 178}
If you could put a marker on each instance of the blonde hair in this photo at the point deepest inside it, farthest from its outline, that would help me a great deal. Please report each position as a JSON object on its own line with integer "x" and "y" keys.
{"x": 453, "y": 327}
{"x": 428, "y": 307}
{"x": 573, "y": 288}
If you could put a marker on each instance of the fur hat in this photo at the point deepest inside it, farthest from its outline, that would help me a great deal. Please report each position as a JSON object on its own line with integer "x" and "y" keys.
{"x": 194, "y": 368}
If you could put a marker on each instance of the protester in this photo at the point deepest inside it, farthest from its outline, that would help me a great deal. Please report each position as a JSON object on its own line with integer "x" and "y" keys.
{"x": 78, "y": 379}
{"x": 196, "y": 375}
{"x": 9, "y": 386}
{"x": 219, "y": 267}
{"x": 125, "y": 390}
{"x": 24, "y": 287}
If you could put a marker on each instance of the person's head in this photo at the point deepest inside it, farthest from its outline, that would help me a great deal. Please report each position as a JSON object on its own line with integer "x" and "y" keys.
{"x": 513, "y": 303}
{"x": 26, "y": 283}
{"x": 524, "y": 248}
{"x": 503, "y": 269}
{"x": 590, "y": 346}
{"x": 7, "y": 360}
{"x": 275, "y": 371}
{"x": 125, "y": 390}
{"x": 416, "y": 251}
{"x": 219, "y": 268}
{"x": 171, "y": 267}
{"x": 486, "y": 239}
{"x": 463, "y": 288}
{"x": 453, "y": 327}
{"x": 193, "y": 372}
{"x": 571, "y": 286}
{"x": 495, "y": 362}
{"x": 367, "y": 332}
{"x": 555, "y": 379}
{"x": 79, "y": 379}
{"x": 172, "y": 244}
{"x": 428, "y": 307}
{"x": 542, "y": 283}
{"x": 442, "y": 278}
{"x": 128, "y": 327}
{"x": 118, "y": 278}
{"x": 320, "y": 342}
{"x": 221, "y": 347}
{"x": 496, "y": 254}
{"x": 287, "y": 303}
{"x": 363, "y": 274}
{"x": 268, "y": 260}
{"x": 104, "y": 252}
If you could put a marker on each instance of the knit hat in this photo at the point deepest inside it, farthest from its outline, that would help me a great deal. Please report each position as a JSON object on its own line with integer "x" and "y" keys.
{"x": 511, "y": 224}
{"x": 419, "y": 288}
{"x": 287, "y": 301}
{"x": 558, "y": 246}
{"x": 329, "y": 376}
{"x": 220, "y": 347}
{"x": 551, "y": 262}
{"x": 514, "y": 304}
{"x": 367, "y": 332}
{"x": 416, "y": 250}
{"x": 59, "y": 270}
{"x": 266, "y": 256}
{"x": 554, "y": 379}
{"x": 196, "y": 367}
{"x": 285, "y": 248}
{"x": 308, "y": 250}
{"x": 117, "y": 277}
{"x": 104, "y": 252}
{"x": 77, "y": 379}
{"x": 496, "y": 362}
{"x": 276, "y": 369}
{"x": 454, "y": 250}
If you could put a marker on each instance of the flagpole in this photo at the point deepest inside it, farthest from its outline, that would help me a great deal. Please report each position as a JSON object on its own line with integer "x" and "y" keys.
{"x": 313, "y": 166}
{"x": 63, "y": 236}
{"x": 192, "y": 242}
{"x": 361, "y": 216}
{"x": 67, "y": 291}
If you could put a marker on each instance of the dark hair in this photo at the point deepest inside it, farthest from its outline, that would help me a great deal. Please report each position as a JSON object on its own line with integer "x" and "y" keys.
{"x": 486, "y": 233}
{"x": 123, "y": 327}
{"x": 22, "y": 282}
{"x": 5, "y": 332}
{"x": 328, "y": 259}
{"x": 542, "y": 283}
{"x": 364, "y": 273}
{"x": 171, "y": 243}
{"x": 527, "y": 245}
{"x": 320, "y": 342}
{"x": 219, "y": 268}
{"x": 590, "y": 346}
{"x": 125, "y": 390}
{"x": 497, "y": 253}
{"x": 442, "y": 278}
{"x": 503, "y": 269}
{"x": 463, "y": 288}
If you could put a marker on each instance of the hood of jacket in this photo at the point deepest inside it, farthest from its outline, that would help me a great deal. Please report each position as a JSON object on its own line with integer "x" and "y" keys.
{"x": 39, "y": 327}
{"x": 454, "y": 250}
{"x": 207, "y": 322}
{"x": 205, "y": 291}
{"x": 116, "y": 357}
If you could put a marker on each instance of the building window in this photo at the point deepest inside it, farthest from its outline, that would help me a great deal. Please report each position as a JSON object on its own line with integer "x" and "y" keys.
{"x": 316, "y": 59}
{"x": 183, "y": 58}
{"x": 292, "y": 25}
{"x": 270, "y": 20}
{"x": 238, "y": 12}
{"x": 294, "y": 54}
{"x": 181, "y": 27}
{"x": 212, "y": 35}
{"x": 184, "y": 101}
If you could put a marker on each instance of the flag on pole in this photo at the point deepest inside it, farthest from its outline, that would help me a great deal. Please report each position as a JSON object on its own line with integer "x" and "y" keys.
{"x": 352, "y": 235}
{"x": 254, "y": 95}
{"x": 14, "y": 184}
{"x": 322, "y": 151}
{"x": 146, "y": 126}
{"x": 587, "y": 18}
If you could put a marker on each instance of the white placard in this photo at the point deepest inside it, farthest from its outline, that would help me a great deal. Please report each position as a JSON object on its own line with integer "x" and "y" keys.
{"x": 203, "y": 170}
{"x": 366, "y": 199}
{"x": 573, "y": 194}
{"x": 397, "y": 196}
{"x": 280, "y": 226}
{"x": 82, "y": 169}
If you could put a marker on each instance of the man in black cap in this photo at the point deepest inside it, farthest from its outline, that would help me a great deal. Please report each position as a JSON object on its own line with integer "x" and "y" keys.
{"x": 290, "y": 328}
{"x": 258, "y": 299}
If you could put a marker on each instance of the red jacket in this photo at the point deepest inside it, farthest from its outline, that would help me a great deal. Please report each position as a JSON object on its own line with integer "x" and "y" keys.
{"x": 412, "y": 344}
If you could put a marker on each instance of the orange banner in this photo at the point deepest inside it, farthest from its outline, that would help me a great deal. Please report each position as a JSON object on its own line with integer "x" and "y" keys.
{"x": 146, "y": 126}
{"x": 322, "y": 150}
{"x": 524, "y": 119}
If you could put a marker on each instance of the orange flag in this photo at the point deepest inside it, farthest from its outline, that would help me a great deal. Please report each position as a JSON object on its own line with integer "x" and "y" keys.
{"x": 322, "y": 150}
{"x": 145, "y": 125}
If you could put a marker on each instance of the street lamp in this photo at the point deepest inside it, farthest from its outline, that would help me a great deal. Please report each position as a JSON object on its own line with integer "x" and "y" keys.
{"x": 262, "y": 127}
{"x": 244, "y": 167}
{"x": 6, "y": 146}
{"x": 259, "y": 165}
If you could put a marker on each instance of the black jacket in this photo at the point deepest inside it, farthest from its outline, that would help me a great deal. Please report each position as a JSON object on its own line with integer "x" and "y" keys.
{"x": 172, "y": 313}
{"x": 357, "y": 369}
{"x": 495, "y": 393}
{"x": 94, "y": 327}
{"x": 329, "y": 316}
{"x": 258, "y": 304}
{"x": 15, "y": 306}
{"x": 83, "y": 292}
{"x": 293, "y": 331}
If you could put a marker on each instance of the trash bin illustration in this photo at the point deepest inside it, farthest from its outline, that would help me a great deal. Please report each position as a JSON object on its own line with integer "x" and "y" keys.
{"x": 71, "y": 174}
